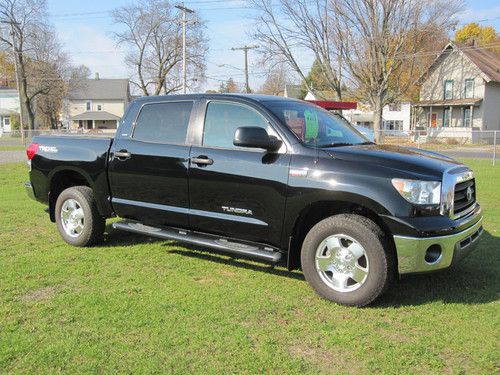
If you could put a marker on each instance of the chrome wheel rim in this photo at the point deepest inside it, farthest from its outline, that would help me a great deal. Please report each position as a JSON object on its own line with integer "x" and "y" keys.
{"x": 72, "y": 218}
{"x": 342, "y": 263}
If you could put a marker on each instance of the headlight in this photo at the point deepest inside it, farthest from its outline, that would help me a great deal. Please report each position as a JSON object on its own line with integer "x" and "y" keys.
{"x": 418, "y": 192}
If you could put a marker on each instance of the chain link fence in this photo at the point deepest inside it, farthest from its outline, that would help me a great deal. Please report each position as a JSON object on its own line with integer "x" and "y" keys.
{"x": 457, "y": 143}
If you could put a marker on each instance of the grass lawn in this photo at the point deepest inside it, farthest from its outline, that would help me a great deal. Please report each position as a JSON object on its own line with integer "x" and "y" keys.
{"x": 137, "y": 305}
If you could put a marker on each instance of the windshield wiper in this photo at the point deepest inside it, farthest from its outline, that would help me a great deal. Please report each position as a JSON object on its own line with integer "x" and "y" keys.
{"x": 338, "y": 144}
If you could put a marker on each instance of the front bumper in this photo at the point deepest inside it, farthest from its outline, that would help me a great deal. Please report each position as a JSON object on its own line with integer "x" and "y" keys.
{"x": 425, "y": 254}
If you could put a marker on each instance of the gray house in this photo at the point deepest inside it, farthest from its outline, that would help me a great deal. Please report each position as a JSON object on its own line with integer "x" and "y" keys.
{"x": 97, "y": 104}
{"x": 460, "y": 93}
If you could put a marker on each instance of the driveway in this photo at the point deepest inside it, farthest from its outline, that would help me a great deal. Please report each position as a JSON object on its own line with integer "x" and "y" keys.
{"x": 12, "y": 156}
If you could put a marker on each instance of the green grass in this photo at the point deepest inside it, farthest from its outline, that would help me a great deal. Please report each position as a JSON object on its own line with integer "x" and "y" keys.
{"x": 136, "y": 305}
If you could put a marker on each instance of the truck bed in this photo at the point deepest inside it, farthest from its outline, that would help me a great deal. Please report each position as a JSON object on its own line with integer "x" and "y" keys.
{"x": 84, "y": 155}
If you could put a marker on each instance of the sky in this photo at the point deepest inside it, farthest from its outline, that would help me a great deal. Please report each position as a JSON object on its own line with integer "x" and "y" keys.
{"x": 85, "y": 29}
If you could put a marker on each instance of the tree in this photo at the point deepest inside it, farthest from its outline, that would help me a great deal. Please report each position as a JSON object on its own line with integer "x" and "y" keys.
{"x": 7, "y": 71}
{"x": 153, "y": 35}
{"x": 380, "y": 38}
{"x": 24, "y": 19}
{"x": 480, "y": 34}
{"x": 229, "y": 86}
{"x": 293, "y": 26}
{"x": 276, "y": 80}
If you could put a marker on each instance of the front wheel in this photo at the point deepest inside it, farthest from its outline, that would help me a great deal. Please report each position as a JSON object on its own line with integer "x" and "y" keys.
{"x": 345, "y": 259}
{"x": 77, "y": 217}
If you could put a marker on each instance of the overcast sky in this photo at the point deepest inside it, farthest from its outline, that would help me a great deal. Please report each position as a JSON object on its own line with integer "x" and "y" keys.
{"x": 85, "y": 28}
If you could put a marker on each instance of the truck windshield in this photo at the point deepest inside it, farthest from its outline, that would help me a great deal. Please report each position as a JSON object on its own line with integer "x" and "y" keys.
{"x": 315, "y": 126}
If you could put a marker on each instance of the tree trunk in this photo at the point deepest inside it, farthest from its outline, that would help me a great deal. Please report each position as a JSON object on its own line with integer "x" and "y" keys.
{"x": 377, "y": 120}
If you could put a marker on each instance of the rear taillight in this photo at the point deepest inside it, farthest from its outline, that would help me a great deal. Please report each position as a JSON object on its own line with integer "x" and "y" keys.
{"x": 31, "y": 150}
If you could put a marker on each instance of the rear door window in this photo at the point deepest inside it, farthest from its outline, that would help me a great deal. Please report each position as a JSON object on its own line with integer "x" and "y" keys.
{"x": 163, "y": 122}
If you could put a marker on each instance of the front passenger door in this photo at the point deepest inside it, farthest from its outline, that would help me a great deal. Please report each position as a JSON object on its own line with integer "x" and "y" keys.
{"x": 235, "y": 191}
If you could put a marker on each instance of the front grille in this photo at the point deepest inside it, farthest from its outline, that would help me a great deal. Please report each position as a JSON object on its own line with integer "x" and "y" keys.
{"x": 465, "y": 197}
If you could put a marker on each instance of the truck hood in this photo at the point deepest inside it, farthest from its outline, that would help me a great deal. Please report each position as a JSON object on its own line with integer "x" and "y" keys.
{"x": 420, "y": 163}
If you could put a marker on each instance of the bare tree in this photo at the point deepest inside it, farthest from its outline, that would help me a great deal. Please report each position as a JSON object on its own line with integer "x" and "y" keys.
{"x": 286, "y": 30}
{"x": 153, "y": 34}
{"x": 381, "y": 39}
{"x": 22, "y": 19}
{"x": 276, "y": 80}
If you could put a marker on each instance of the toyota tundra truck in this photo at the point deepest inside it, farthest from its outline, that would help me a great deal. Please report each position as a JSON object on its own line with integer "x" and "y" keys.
{"x": 267, "y": 178}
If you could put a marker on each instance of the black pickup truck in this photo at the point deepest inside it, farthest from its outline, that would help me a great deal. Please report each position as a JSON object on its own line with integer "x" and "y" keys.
{"x": 267, "y": 178}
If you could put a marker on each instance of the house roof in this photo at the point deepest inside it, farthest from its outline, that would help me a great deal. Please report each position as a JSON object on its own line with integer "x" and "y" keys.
{"x": 102, "y": 89}
{"x": 449, "y": 102}
{"x": 95, "y": 115}
{"x": 486, "y": 61}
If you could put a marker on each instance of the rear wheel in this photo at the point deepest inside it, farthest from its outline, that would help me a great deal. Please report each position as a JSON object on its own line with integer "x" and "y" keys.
{"x": 346, "y": 260}
{"x": 77, "y": 217}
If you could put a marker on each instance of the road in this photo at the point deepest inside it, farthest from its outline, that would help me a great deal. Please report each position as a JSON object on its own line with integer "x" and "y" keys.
{"x": 12, "y": 156}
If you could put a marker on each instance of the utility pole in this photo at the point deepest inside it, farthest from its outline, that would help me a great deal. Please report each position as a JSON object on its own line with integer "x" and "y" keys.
{"x": 245, "y": 50}
{"x": 184, "y": 23}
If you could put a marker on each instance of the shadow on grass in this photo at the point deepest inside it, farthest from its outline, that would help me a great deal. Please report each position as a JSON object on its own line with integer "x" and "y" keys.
{"x": 474, "y": 280}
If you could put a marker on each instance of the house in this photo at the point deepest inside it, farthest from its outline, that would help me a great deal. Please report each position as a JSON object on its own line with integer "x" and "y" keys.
{"x": 97, "y": 104}
{"x": 396, "y": 117}
{"x": 9, "y": 107}
{"x": 460, "y": 92}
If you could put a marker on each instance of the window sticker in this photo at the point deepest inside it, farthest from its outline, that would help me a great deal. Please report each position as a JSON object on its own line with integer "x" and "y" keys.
{"x": 312, "y": 125}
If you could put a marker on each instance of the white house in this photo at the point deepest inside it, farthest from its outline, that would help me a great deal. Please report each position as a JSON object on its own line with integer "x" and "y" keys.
{"x": 9, "y": 107}
{"x": 460, "y": 93}
{"x": 396, "y": 117}
{"x": 97, "y": 103}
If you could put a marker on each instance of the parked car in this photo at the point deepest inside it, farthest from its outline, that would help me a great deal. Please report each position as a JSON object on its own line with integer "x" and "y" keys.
{"x": 268, "y": 178}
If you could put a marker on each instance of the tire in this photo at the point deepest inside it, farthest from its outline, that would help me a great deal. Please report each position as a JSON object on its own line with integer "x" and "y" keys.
{"x": 77, "y": 217}
{"x": 347, "y": 245}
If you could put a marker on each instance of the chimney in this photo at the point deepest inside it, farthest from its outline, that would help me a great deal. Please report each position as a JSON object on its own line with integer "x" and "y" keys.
{"x": 97, "y": 76}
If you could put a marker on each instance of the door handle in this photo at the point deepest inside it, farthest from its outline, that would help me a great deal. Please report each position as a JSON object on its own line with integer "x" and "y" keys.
{"x": 122, "y": 155}
{"x": 202, "y": 160}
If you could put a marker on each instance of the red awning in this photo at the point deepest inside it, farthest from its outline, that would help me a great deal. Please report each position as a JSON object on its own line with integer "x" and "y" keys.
{"x": 332, "y": 105}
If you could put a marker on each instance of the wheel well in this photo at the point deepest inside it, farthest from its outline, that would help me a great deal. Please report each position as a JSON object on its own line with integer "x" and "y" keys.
{"x": 318, "y": 211}
{"x": 59, "y": 182}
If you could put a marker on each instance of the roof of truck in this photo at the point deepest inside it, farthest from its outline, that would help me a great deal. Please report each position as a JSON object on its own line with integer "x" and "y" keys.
{"x": 254, "y": 97}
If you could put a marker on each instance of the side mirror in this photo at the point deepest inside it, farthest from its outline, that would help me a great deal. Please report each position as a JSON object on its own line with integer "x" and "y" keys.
{"x": 255, "y": 137}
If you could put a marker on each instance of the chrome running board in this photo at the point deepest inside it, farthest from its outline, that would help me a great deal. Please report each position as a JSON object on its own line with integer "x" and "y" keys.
{"x": 227, "y": 245}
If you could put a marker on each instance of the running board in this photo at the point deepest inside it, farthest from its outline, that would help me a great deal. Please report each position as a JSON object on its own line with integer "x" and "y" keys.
{"x": 253, "y": 250}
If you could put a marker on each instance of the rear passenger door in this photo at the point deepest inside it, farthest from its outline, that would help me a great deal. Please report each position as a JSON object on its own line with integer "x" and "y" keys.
{"x": 148, "y": 168}
{"x": 235, "y": 191}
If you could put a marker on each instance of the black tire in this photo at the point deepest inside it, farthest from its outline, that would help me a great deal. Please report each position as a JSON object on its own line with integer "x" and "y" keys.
{"x": 94, "y": 224}
{"x": 371, "y": 238}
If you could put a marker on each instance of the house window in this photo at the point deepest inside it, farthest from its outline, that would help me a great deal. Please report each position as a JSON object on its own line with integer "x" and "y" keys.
{"x": 395, "y": 107}
{"x": 99, "y": 107}
{"x": 6, "y": 121}
{"x": 446, "y": 117}
{"x": 88, "y": 106}
{"x": 469, "y": 88}
{"x": 393, "y": 125}
{"x": 467, "y": 119}
{"x": 448, "y": 89}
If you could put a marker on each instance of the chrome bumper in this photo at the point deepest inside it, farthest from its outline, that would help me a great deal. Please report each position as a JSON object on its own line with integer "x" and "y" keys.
{"x": 412, "y": 251}
{"x": 29, "y": 190}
